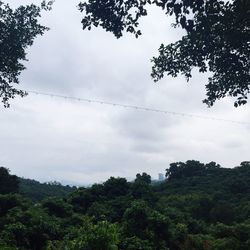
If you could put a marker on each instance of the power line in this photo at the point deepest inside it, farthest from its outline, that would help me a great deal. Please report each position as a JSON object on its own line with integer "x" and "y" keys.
{"x": 167, "y": 112}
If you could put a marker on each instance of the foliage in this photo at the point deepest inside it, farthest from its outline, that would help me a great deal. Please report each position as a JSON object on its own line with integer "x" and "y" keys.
{"x": 57, "y": 207}
{"x": 190, "y": 168}
{"x": 144, "y": 177}
{"x": 216, "y": 40}
{"x": 18, "y": 29}
{"x": 89, "y": 236}
{"x": 37, "y": 191}
{"x": 198, "y": 207}
{"x": 8, "y": 183}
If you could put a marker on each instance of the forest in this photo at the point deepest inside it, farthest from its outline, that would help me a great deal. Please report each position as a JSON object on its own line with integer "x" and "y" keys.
{"x": 197, "y": 207}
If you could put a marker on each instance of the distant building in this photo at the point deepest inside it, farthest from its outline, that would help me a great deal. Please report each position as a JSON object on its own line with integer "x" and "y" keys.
{"x": 161, "y": 177}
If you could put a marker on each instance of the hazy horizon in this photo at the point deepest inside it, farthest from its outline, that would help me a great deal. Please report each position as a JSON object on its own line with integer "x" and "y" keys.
{"x": 47, "y": 138}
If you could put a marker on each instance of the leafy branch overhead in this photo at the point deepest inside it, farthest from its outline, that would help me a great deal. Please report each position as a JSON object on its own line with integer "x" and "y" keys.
{"x": 18, "y": 29}
{"x": 217, "y": 39}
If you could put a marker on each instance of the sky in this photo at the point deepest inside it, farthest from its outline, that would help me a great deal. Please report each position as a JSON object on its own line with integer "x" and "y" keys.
{"x": 48, "y": 138}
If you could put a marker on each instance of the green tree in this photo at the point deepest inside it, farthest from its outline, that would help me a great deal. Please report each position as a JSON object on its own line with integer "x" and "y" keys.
{"x": 29, "y": 227}
{"x": 57, "y": 207}
{"x": 222, "y": 212}
{"x": 18, "y": 29}
{"x": 216, "y": 40}
{"x": 136, "y": 219}
{"x": 180, "y": 169}
{"x": 100, "y": 211}
{"x": 9, "y": 201}
{"x": 144, "y": 177}
{"x": 114, "y": 187}
{"x": 8, "y": 183}
{"x": 89, "y": 236}
{"x": 202, "y": 210}
{"x": 81, "y": 199}
{"x": 142, "y": 188}
{"x": 135, "y": 243}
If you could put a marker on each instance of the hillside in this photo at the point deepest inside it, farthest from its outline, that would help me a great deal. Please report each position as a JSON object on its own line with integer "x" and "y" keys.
{"x": 37, "y": 191}
{"x": 199, "y": 207}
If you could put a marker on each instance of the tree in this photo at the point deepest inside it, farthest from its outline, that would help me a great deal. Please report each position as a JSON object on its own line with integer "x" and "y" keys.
{"x": 114, "y": 187}
{"x": 8, "y": 183}
{"x": 142, "y": 188}
{"x": 136, "y": 219}
{"x": 57, "y": 207}
{"x": 89, "y": 236}
{"x": 135, "y": 243}
{"x": 140, "y": 221}
{"x": 217, "y": 39}
{"x": 18, "y": 29}
{"x": 9, "y": 201}
{"x": 144, "y": 177}
{"x": 223, "y": 212}
{"x": 180, "y": 169}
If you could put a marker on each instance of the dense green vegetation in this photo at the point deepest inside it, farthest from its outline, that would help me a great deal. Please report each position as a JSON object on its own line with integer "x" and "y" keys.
{"x": 37, "y": 191}
{"x": 199, "y": 206}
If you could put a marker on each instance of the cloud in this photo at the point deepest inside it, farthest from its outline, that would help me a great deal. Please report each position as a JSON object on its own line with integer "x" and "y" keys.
{"x": 49, "y": 138}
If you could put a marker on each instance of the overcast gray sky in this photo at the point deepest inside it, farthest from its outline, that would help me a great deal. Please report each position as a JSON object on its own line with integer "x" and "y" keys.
{"x": 47, "y": 138}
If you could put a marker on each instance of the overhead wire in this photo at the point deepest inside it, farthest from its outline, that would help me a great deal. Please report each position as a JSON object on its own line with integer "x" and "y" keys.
{"x": 147, "y": 109}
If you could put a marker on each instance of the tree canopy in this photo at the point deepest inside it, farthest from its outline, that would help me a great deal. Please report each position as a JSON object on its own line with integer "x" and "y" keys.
{"x": 18, "y": 29}
{"x": 8, "y": 183}
{"x": 217, "y": 39}
{"x": 198, "y": 207}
